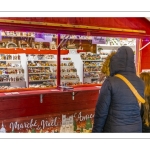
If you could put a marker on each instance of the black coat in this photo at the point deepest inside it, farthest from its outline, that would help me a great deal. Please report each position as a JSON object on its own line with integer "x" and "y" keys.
{"x": 117, "y": 109}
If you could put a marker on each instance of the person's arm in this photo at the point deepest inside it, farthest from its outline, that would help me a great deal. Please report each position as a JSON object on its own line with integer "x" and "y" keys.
{"x": 102, "y": 107}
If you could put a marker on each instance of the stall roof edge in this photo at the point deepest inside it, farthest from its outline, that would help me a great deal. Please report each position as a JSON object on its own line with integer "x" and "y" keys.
{"x": 94, "y": 26}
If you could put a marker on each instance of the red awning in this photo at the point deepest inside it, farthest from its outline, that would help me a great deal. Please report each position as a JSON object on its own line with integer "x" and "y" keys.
{"x": 110, "y": 26}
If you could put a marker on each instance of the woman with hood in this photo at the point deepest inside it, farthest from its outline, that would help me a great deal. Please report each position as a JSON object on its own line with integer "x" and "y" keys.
{"x": 145, "y": 108}
{"x": 117, "y": 109}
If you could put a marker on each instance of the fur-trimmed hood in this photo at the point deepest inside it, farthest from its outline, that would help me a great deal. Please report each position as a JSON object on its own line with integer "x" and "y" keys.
{"x": 105, "y": 67}
{"x": 120, "y": 61}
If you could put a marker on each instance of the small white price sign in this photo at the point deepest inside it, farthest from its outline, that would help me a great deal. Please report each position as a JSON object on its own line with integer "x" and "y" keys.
{"x": 98, "y": 40}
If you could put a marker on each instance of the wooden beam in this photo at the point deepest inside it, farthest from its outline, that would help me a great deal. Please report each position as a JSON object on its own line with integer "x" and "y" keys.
{"x": 70, "y": 26}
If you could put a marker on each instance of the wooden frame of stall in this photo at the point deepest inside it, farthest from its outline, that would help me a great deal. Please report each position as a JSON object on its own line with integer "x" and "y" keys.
{"x": 26, "y": 106}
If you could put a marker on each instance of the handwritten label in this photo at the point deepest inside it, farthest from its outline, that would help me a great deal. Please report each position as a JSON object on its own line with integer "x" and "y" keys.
{"x": 49, "y": 123}
{"x": 84, "y": 117}
{"x": 27, "y": 125}
{"x": 33, "y": 124}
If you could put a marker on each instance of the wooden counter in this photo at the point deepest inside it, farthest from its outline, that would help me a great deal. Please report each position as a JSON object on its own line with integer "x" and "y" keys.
{"x": 37, "y": 104}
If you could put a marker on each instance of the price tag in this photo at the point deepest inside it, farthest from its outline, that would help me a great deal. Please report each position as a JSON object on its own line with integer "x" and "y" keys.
{"x": 8, "y": 93}
{"x": 43, "y": 37}
{"x": 98, "y": 40}
{"x": 15, "y": 92}
{"x": 72, "y": 51}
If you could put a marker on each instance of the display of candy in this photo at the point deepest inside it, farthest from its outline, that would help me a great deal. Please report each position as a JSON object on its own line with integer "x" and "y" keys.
{"x": 9, "y": 57}
{"x": 37, "y": 77}
{"x": 11, "y": 71}
{"x": 38, "y": 70}
{"x": 66, "y": 58}
{"x": 90, "y": 56}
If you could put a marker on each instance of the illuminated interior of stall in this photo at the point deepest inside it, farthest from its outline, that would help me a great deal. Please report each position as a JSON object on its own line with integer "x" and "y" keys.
{"x": 29, "y": 59}
{"x": 79, "y": 45}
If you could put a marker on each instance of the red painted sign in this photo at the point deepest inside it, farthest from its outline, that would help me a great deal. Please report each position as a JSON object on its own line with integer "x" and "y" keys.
{"x": 70, "y": 122}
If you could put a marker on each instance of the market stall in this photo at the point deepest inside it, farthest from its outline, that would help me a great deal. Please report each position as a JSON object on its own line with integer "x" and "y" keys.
{"x": 58, "y": 84}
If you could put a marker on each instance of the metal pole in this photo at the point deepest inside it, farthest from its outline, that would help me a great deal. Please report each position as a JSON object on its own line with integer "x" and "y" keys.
{"x": 144, "y": 46}
{"x": 58, "y": 63}
{"x": 61, "y": 41}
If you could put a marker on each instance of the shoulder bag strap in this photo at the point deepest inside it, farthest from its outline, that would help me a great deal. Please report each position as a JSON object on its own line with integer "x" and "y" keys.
{"x": 135, "y": 92}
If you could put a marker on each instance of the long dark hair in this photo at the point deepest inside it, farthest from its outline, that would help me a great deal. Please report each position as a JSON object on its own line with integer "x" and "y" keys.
{"x": 145, "y": 76}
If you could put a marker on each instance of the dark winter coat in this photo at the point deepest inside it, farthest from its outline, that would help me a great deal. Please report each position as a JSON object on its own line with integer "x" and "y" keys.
{"x": 117, "y": 109}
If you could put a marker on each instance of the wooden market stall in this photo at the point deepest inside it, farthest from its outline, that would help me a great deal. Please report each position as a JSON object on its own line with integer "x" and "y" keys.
{"x": 54, "y": 109}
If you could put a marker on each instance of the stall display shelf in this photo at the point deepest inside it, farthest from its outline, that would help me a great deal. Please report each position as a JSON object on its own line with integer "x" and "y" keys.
{"x": 90, "y": 66}
{"x": 11, "y": 71}
{"x": 70, "y": 79}
{"x": 17, "y": 36}
{"x": 40, "y": 80}
{"x": 91, "y": 71}
{"x": 10, "y": 82}
{"x": 92, "y": 63}
{"x": 10, "y": 67}
{"x": 93, "y": 60}
{"x": 32, "y": 35}
{"x": 40, "y": 66}
{"x": 65, "y": 60}
{"x": 64, "y": 66}
{"x": 104, "y": 45}
{"x": 40, "y": 73}
{"x": 35, "y": 60}
{"x": 13, "y": 74}
{"x": 112, "y": 44}
{"x": 67, "y": 72}
{"x": 11, "y": 60}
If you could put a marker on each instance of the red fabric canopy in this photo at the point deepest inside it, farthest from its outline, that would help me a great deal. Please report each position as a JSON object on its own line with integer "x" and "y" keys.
{"x": 109, "y": 22}
{"x": 125, "y": 23}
